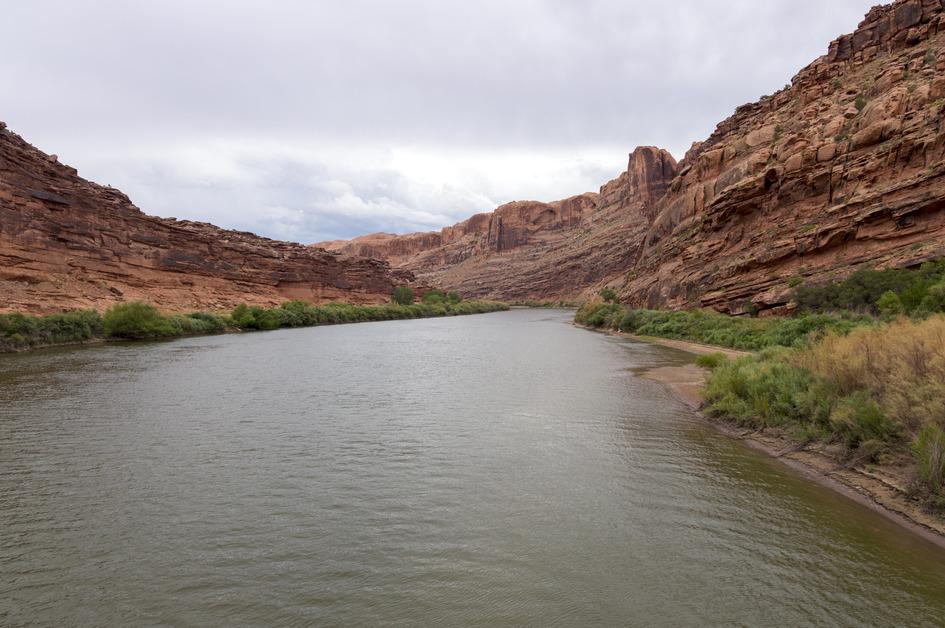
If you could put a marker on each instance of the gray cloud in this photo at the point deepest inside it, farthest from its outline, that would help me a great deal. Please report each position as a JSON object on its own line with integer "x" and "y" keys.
{"x": 311, "y": 120}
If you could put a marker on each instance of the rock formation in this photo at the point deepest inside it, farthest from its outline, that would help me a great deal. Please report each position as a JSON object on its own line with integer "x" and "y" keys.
{"x": 529, "y": 249}
{"x": 842, "y": 168}
{"x": 69, "y": 243}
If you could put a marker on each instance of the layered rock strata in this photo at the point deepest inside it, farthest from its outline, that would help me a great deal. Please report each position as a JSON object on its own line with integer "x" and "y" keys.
{"x": 840, "y": 169}
{"x": 69, "y": 243}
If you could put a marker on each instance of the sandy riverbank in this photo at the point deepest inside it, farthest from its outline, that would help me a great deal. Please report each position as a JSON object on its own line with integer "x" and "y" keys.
{"x": 882, "y": 488}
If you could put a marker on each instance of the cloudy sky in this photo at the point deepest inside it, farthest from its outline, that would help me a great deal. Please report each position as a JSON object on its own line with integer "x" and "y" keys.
{"x": 311, "y": 120}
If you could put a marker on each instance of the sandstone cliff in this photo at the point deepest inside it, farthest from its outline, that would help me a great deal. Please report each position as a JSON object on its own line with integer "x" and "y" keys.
{"x": 530, "y": 249}
{"x": 68, "y": 243}
{"x": 843, "y": 167}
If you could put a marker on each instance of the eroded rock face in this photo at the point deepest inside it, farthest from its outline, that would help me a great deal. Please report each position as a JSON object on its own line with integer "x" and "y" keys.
{"x": 68, "y": 243}
{"x": 842, "y": 168}
{"x": 530, "y": 249}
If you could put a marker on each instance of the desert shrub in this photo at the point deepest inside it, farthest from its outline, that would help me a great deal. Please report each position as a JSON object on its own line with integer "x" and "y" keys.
{"x": 454, "y": 297}
{"x": 760, "y": 390}
{"x": 139, "y": 320}
{"x": 716, "y": 329}
{"x": 609, "y": 295}
{"x": 19, "y": 331}
{"x": 711, "y": 360}
{"x": 402, "y": 295}
{"x": 136, "y": 320}
{"x": 433, "y": 297}
{"x": 299, "y": 313}
{"x": 600, "y": 315}
{"x": 917, "y": 291}
{"x": 929, "y": 452}
{"x": 901, "y": 365}
{"x": 858, "y": 419}
{"x": 197, "y": 323}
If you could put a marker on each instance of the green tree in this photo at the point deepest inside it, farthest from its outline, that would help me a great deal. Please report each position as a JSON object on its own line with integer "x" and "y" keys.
{"x": 403, "y": 295}
{"x": 889, "y": 304}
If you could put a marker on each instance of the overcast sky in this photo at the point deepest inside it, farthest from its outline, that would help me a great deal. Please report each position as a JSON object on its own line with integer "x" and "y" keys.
{"x": 309, "y": 120}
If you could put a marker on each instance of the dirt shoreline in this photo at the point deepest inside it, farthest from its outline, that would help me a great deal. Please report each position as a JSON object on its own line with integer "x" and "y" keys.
{"x": 882, "y": 489}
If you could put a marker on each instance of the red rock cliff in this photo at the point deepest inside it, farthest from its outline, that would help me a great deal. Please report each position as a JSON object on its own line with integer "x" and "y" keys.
{"x": 68, "y": 243}
{"x": 841, "y": 169}
{"x": 531, "y": 249}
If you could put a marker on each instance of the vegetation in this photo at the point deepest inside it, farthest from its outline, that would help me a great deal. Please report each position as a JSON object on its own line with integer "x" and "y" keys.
{"x": 136, "y": 320}
{"x": 402, "y": 295}
{"x": 545, "y": 304}
{"x": 711, "y": 360}
{"x": 861, "y": 365}
{"x": 914, "y": 292}
{"x": 873, "y": 390}
{"x": 19, "y": 331}
{"x": 929, "y": 450}
{"x": 609, "y": 295}
{"x": 716, "y": 329}
{"x": 438, "y": 297}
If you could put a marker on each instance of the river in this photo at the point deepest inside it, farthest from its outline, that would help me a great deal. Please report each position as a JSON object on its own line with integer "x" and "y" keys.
{"x": 493, "y": 470}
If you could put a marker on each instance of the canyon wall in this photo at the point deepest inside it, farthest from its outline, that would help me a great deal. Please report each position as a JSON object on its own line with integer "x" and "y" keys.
{"x": 534, "y": 250}
{"x": 840, "y": 169}
{"x": 69, "y": 243}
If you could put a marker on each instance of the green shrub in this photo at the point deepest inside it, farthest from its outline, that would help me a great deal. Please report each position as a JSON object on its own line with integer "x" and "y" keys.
{"x": 599, "y": 315}
{"x": 716, "y": 329}
{"x": 857, "y": 418}
{"x": 454, "y": 297}
{"x": 711, "y": 361}
{"x": 929, "y": 452}
{"x": 920, "y": 290}
{"x": 433, "y": 297}
{"x": 403, "y": 295}
{"x": 609, "y": 295}
{"x": 136, "y": 320}
{"x": 759, "y": 390}
{"x": 196, "y": 323}
{"x": 19, "y": 331}
{"x": 241, "y": 316}
{"x": 889, "y": 305}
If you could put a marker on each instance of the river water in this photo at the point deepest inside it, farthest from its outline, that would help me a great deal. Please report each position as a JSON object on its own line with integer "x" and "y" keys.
{"x": 491, "y": 470}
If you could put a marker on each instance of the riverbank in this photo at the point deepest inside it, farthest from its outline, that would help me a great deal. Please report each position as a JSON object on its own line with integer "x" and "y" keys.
{"x": 882, "y": 488}
{"x": 141, "y": 321}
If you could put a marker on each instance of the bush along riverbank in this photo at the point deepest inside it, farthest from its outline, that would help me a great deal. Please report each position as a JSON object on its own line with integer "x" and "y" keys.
{"x": 876, "y": 394}
{"x": 865, "y": 387}
{"x": 139, "y": 321}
